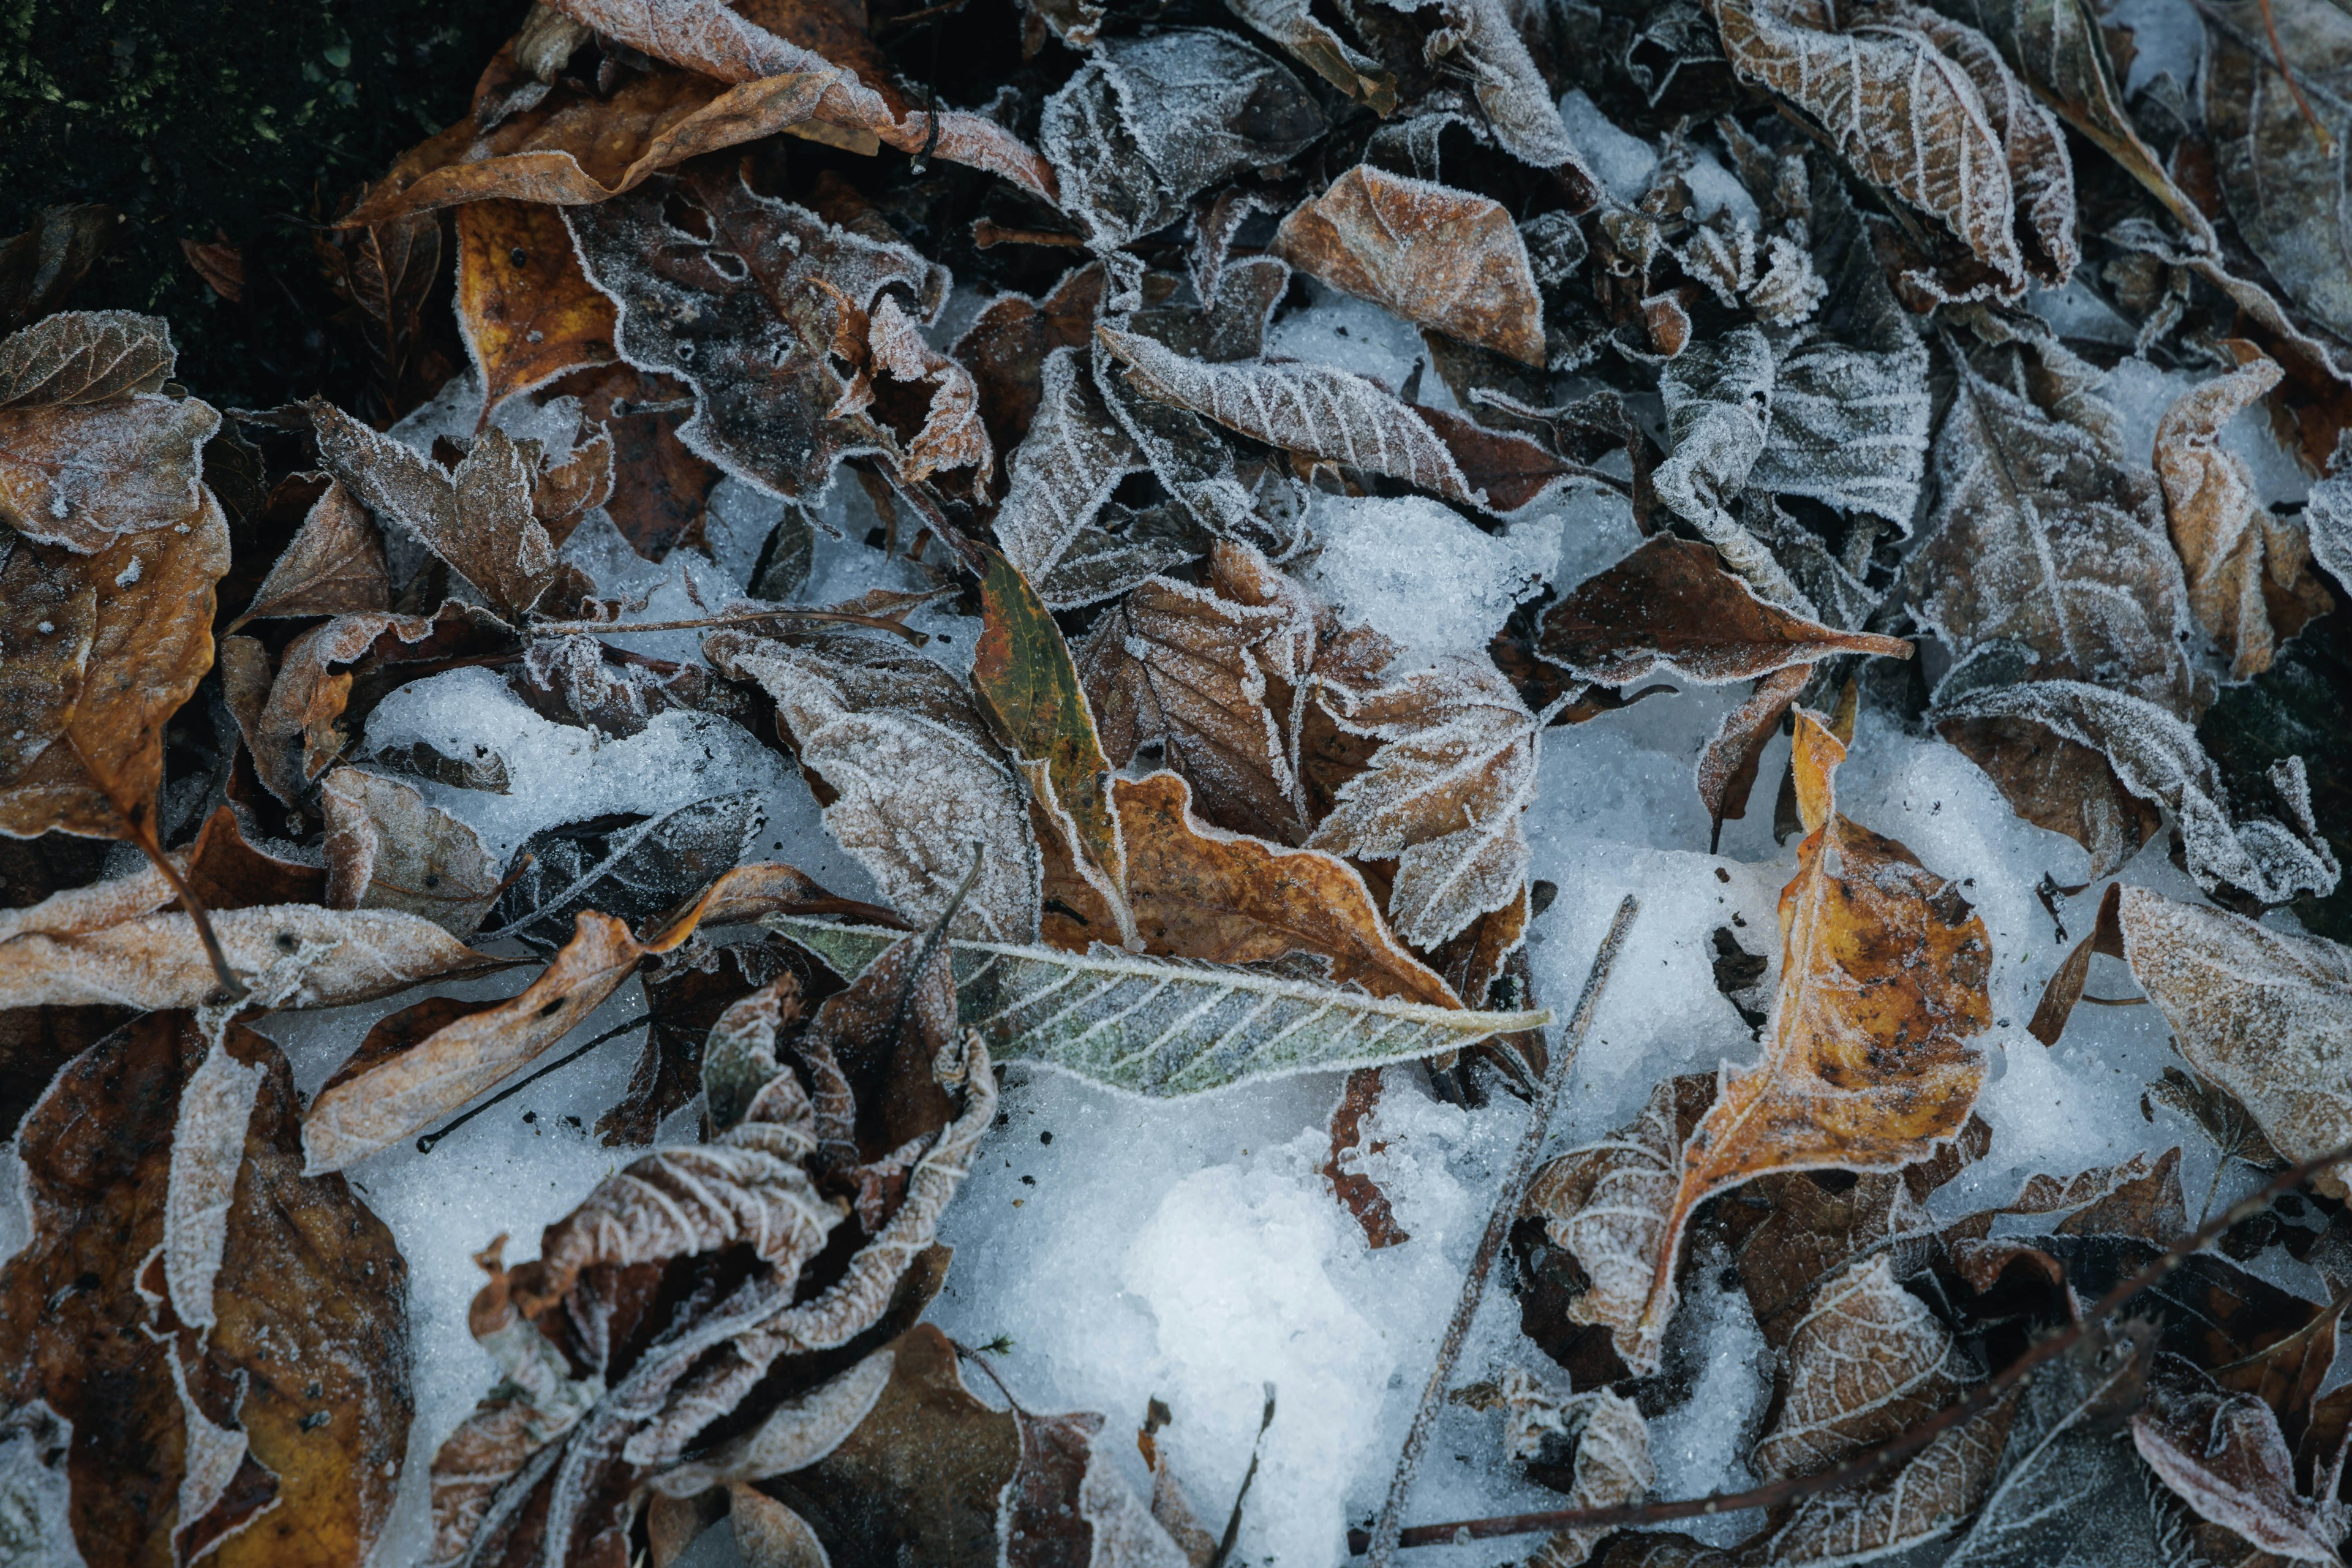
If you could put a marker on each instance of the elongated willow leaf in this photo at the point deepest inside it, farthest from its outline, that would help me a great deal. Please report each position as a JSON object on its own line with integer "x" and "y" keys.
{"x": 1159, "y": 1027}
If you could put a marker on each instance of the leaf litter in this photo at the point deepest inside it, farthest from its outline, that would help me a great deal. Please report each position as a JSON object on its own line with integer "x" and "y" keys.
{"x": 951, "y": 797}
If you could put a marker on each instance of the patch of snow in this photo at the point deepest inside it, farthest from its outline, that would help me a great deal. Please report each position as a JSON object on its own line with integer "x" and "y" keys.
{"x": 1356, "y": 335}
{"x": 1375, "y": 567}
{"x": 1619, "y": 160}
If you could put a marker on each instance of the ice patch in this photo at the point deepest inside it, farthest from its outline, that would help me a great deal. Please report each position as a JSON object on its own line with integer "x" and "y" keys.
{"x": 1374, "y": 566}
{"x": 1621, "y": 160}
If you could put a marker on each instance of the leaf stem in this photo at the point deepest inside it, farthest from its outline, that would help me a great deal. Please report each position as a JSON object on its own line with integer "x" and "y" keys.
{"x": 737, "y": 618}
{"x": 1862, "y": 1467}
{"x": 142, "y": 834}
{"x": 1388, "y": 1531}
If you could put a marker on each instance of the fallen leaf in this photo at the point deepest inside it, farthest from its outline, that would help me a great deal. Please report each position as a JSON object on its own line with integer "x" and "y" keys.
{"x": 660, "y": 488}
{"x": 1480, "y": 38}
{"x": 1440, "y": 257}
{"x": 1064, "y": 470}
{"x": 1905, "y": 117}
{"x": 917, "y": 779}
{"x": 1867, "y": 1361}
{"x": 2056, "y": 782}
{"x": 2249, "y": 574}
{"x": 2273, "y": 164}
{"x": 388, "y": 849}
{"x": 1313, "y": 410}
{"x": 1919, "y": 1500}
{"x": 569, "y": 148}
{"x": 1292, "y": 23}
{"x": 41, "y": 266}
{"x": 952, "y": 435}
{"x": 1008, "y": 342}
{"x": 385, "y": 273}
{"x": 1149, "y": 123}
{"x": 1443, "y": 796}
{"x": 632, "y": 868}
{"x": 478, "y": 519}
{"x": 334, "y": 566}
{"x": 1726, "y": 768}
{"x": 731, "y": 308}
{"x": 527, "y": 311}
{"x": 1719, "y": 402}
{"x": 2224, "y": 1455}
{"x": 302, "y": 1381}
{"x": 133, "y": 639}
{"x": 1611, "y": 1466}
{"x": 1162, "y": 1028}
{"x": 1670, "y": 607}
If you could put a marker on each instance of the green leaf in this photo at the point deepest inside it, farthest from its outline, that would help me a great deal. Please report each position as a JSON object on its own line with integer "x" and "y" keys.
{"x": 1162, "y": 1027}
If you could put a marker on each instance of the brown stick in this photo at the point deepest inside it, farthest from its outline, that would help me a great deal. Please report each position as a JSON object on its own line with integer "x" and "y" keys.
{"x": 1386, "y": 1532}
{"x": 1863, "y": 1466}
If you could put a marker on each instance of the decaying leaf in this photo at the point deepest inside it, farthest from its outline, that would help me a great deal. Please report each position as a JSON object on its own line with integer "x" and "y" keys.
{"x": 276, "y": 1436}
{"x": 1149, "y": 123}
{"x": 1883, "y": 977}
{"x": 1063, "y": 470}
{"x": 921, "y": 786}
{"x": 2249, "y": 574}
{"x": 732, "y": 307}
{"x": 2224, "y": 1455}
{"x": 1160, "y": 1027}
{"x": 1670, "y": 606}
{"x": 1480, "y": 38}
{"x": 2275, "y": 167}
{"x": 1726, "y": 768}
{"x": 1292, "y": 23}
{"x": 527, "y": 311}
{"x": 334, "y": 566}
{"x": 1867, "y": 1361}
{"x": 1437, "y": 256}
{"x": 388, "y": 849}
{"x": 1612, "y": 1446}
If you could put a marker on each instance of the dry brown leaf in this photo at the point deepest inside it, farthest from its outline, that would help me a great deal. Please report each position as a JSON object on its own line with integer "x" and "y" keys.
{"x": 1907, "y": 119}
{"x": 1884, "y": 974}
{"x": 1670, "y": 606}
{"x": 527, "y": 311}
{"x": 729, "y": 45}
{"x": 1866, "y": 1362}
{"x": 355, "y": 1113}
{"x": 1313, "y": 410}
{"x": 1008, "y": 344}
{"x": 1199, "y": 892}
{"x": 388, "y": 849}
{"x": 1726, "y": 768}
{"x": 134, "y": 638}
{"x": 917, "y": 777}
{"x": 660, "y": 486}
{"x": 1202, "y": 671}
{"x": 1437, "y": 256}
{"x": 2250, "y": 576}
{"x": 334, "y": 565}
{"x": 275, "y": 1435}
{"x": 2224, "y": 1455}
{"x": 2060, "y": 784}
{"x": 952, "y": 436}
{"x": 569, "y": 148}
{"x": 90, "y": 451}
{"x": 1443, "y": 795}
{"x": 1917, "y": 1501}
{"x": 1293, "y": 24}
{"x": 2265, "y": 1015}
{"x": 478, "y": 519}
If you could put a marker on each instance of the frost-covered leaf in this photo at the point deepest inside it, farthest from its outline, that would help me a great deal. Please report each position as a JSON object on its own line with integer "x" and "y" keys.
{"x": 1719, "y": 401}
{"x": 917, "y": 779}
{"x": 2279, "y": 172}
{"x": 2267, "y": 854}
{"x": 1480, "y": 40}
{"x": 1848, "y": 428}
{"x": 1440, "y": 257}
{"x": 159, "y": 961}
{"x": 1906, "y": 117}
{"x": 1444, "y": 796}
{"x": 1293, "y": 24}
{"x": 388, "y": 849}
{"x": 729, "y": 45}
{"x": 1867, "y": 1361}
{"x": 2043, "y": 555}
{"x": 1917, "y": 1501}
{"x": 375, "y": 1099}
{"x": 1612, "y": 1464}
{"x": 1815, "y": 1232}
{"x": 1151, "y": 123}
{"x": 2224, "y": 1455}
{"x": 1008, "y": 344}
{"x": 130, "y": 635}
{"x": 2264, "y": 1015}
{"x": 2069, "y": 1486}
{"x": 1726, "y": 767}
{"x": 2039, "y": 173}
{"x": 85, "y": 356}
{"x": 335, "y": 565}
{"x": 2054, "y": 781}
{"x": 631, "y": 870}
{"x": 1313, "y": 410}
{"x": 2249, "y": 574}
{"x": 571, "y": 148}
{"x": 719, "y": 285}
{"x": 1063, "y": 470}
{"x": 1884, "y": 974}
{"x": 952, "y": 434}
{"x": 527, "y": 310}
{"x": 478, "y": 519}
{"x": 1199, "y": 670}
{"x": 1161, "y": 1028}
{"x": 1670, "y": 606}
{"x": 296, "y": 1399}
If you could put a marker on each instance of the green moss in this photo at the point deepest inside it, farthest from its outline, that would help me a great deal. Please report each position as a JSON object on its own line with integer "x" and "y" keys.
{"x": 252, "y": 117}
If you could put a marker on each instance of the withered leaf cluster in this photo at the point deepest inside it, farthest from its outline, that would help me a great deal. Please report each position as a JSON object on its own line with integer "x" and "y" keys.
{"x": 1849, "y": 309}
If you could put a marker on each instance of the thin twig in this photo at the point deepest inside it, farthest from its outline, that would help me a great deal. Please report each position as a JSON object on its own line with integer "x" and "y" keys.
{"x": 735, "y": 619}
{"x": 1386, "y": 1531}
{"x": 425, "y": 1144}
{"x": 1862, "y": 1467}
